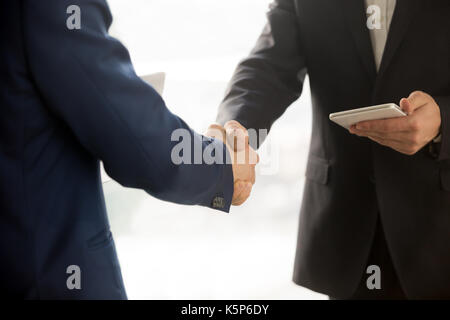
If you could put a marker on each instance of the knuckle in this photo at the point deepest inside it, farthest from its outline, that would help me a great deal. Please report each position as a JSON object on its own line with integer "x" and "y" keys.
{"x": 233, "y": 124}
{"x": 416, "y": 94}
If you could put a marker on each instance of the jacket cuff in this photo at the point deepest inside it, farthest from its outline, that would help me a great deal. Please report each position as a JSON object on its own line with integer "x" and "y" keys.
{"x": 444, "y": 106}
{"x": 221, "y": 196}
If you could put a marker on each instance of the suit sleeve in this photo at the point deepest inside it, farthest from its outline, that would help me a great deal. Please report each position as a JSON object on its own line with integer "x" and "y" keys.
{"x": 444, "y": 106}
{"x": 271, "y": 77}
{"x": 86, "y": 79}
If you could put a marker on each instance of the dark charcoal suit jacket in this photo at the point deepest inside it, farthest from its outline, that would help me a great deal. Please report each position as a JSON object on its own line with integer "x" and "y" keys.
{"x": 68, "y": 99}
{"x": 329, "y": 41}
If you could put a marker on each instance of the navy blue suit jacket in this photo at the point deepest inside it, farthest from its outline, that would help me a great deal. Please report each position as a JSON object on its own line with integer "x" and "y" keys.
{"x": 68, "y": 100}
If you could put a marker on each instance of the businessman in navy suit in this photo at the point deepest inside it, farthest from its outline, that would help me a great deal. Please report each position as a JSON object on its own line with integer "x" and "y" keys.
{"x": 69, "y": 98}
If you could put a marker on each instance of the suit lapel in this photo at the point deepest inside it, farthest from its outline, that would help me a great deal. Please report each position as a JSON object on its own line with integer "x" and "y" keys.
{"x": 403, "y": 16}
{"x": 356, "y": 19}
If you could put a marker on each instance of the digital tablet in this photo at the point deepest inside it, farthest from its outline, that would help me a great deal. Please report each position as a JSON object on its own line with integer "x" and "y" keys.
{"x": 350, "y": 117}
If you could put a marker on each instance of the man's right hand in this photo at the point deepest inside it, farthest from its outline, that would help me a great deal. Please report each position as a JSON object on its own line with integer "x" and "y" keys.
{"x": 243, "y": 157}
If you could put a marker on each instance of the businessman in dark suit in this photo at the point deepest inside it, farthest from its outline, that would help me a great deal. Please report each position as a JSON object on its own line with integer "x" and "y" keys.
{"x": 69, "y": 97}
{"x": 378, "y": 195}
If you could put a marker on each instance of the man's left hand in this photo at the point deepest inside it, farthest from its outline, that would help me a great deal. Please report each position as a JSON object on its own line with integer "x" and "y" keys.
{"x": 407, "y": 134}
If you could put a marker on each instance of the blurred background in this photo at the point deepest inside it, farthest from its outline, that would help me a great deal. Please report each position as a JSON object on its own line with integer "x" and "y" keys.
{"x": 169, "y": 251}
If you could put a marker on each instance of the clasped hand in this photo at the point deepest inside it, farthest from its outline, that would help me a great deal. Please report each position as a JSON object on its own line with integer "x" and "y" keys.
{"x": 243, "y": 157}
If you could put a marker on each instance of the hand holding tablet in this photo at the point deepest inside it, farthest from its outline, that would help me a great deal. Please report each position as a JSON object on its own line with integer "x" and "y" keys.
{"x": 407, "y": 129}
{"x": 350, "y": 117}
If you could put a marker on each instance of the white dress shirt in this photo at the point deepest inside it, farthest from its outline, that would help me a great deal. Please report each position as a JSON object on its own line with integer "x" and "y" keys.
{"x": 379, "y": 36}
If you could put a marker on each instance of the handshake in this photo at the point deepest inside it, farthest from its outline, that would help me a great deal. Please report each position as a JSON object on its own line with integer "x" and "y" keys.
{"x": 243, "y": 157}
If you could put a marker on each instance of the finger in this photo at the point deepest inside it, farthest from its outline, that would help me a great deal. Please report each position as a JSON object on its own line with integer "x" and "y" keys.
{"x": 216, "y": 131}
{"x": 237, "y": 194}
{"x": 241, "y": 200}
{"x": 415, "y": 100}
{"x": 245, "y": 172}
{"x": 394, "y": 136}
{"x": 237, "y": 135}
{"x": 243, "y": 193}
{"x": 246, "y": 156}
{"x": 253, "y": 156}
{"x": 408, "y": 150}
{"x": 252, "y": 179}
{"x": 234, "y": 124}
{"x": 397, "y": 124}
{"x": 411, "y": 140}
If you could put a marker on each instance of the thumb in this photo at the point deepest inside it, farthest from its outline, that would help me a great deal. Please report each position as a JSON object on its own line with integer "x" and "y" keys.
{"x": 415, "y": 100}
